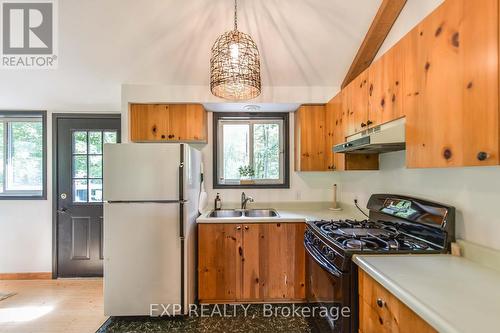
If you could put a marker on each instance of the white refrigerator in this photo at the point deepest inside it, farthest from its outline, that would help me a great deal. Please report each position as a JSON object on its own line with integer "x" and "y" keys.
{"x": 150, "y": 209}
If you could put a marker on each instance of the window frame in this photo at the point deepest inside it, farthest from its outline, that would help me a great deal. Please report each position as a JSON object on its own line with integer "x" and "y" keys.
{"x": 282, "y": 117}
{"x": 20, "y": 115}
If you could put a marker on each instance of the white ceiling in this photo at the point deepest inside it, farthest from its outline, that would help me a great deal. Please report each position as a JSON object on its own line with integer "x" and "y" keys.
{"x": 105, "y": 43}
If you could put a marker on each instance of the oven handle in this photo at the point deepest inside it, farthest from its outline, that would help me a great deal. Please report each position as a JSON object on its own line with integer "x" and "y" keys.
{"x": 317, "y": 256}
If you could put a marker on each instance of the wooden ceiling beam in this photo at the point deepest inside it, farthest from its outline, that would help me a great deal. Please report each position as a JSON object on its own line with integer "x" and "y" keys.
{"x": 387, "y": 14}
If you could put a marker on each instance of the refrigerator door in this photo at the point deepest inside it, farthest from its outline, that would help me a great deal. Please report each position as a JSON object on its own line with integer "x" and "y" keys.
{"x": 192, "y": 184}
{"x": 141, "y": 172}
{"x": 142, "y": 257}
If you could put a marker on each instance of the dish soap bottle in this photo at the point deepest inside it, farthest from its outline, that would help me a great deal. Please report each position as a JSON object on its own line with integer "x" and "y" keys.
{"x": 218, "y": 202}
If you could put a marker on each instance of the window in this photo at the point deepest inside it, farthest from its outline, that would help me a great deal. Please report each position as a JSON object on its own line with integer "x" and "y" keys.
{"x": 251, "y": 150}
{"x": 87, "y": 164}
{"x": 22, "y": 155}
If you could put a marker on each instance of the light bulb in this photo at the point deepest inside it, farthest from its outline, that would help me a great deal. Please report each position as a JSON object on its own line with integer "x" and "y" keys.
{"x": 235, "y": 51}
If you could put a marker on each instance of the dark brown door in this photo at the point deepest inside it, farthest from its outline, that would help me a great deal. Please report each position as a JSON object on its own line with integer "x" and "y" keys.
{"x": 79, "y": 192}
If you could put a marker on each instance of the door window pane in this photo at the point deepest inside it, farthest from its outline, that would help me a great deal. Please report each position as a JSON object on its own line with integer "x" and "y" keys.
{"x": 80, "y": 190}
{"x": 95, "y": 166}
{"x": 80, "y": 142}
{"x": 109, "y": 136}
{"x": 266, "y": 151}
{"x": 95, "y": 190}
{"x": 95, "y": 142}
{"x": 80, "y": 166}
{"x": 25, "y": 156}
{"x": 236, "y": 149}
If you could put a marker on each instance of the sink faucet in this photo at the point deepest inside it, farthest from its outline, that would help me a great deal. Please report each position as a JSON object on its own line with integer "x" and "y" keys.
{"x": 245, "y": 200}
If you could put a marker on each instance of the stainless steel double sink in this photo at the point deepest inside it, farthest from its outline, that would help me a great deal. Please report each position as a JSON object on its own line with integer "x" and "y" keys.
{"x": 246, "y": 213}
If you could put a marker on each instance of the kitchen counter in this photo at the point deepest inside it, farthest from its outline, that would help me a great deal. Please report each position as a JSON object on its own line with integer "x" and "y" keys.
{"x": 452, "y": 294}
{"x": 288, "y": 213}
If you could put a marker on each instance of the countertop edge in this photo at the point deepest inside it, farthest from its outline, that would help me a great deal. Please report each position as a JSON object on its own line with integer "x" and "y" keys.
{"x": 428, "y": 315}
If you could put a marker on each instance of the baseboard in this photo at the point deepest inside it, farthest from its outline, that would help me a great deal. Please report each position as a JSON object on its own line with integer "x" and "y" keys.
{"x": 26, "y": 276}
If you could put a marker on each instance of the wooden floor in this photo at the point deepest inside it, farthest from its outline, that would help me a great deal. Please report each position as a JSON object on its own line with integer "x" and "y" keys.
{"x": 51, "y": 306}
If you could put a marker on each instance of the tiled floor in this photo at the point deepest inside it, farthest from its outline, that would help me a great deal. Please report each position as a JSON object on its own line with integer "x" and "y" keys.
{"x": 255, "y": 320}
{"x": 52, "y": 306}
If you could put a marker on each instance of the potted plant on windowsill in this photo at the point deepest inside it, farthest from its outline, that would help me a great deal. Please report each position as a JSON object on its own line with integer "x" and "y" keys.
{"x": 246, "y": 175}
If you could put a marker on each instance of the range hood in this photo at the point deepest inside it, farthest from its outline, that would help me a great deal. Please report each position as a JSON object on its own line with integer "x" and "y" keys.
{"x": 379, "y": 139}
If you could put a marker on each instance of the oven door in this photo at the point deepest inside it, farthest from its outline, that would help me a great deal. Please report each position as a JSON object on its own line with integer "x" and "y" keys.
{"x": 330, "y": 289}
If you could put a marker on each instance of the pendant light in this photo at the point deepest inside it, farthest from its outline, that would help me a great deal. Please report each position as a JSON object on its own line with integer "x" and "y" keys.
{"x": 235, "y": 65}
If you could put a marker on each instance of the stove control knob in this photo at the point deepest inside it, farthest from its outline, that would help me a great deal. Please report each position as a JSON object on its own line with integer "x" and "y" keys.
{"x": 315, "y": 241}
{"x": 330, "y": 255}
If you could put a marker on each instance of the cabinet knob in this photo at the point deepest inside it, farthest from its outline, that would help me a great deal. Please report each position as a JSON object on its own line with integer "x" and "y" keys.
{"x": 163, "y": 136}
{"x": 380, "y": 302}
{"x": 369, "y": 122}
{"x": 482, "y": 156}
{"x": 363, "y": 125}
{"x": 238, "y": 227}
{"x": 246, "y": 227}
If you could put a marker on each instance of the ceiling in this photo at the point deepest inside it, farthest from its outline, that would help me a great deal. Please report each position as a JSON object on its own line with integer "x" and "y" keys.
{"x": 105, "y": 43}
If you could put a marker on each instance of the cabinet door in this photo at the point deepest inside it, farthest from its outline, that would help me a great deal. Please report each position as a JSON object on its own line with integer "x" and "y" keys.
{"x": 149, "y": 122}
{"x": 356, "y": 104}
{"x": 335, "y": 121}
{"x": 310, "y": 138}
{"x": 455, "y": 122}
{"x": 252, "y": 284}
{"x": 385, "y": 102}
{"x": 188, "y": 122}
{"x": 282, "y": 261}
{"x": 219, "y": 262}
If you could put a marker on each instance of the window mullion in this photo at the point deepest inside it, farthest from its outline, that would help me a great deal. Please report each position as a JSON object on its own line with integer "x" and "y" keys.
{"x": 250, "y": 145}
{"x": 4, "y": 152}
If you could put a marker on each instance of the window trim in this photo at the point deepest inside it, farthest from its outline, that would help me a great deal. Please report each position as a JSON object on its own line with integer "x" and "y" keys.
{"x": 284, "y": 117}
{"x": 30, "y": 114}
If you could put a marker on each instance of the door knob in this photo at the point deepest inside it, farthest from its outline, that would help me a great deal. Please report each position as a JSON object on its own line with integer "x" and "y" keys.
{"x": 63, "y": 196}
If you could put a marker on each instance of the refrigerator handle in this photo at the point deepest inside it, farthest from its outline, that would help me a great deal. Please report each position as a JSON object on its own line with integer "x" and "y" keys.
{"x": 181, "y": 191}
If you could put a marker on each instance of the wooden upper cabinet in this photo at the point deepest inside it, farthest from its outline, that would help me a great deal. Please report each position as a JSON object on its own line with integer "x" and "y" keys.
{"x": 168, "y": 122}
{"x": 385, "y": 80}
{"x": 355, "y": 104}
{"x": 455, "y": 120}
{"x": 336, "y": 132}
{"x": 310, "y": 138}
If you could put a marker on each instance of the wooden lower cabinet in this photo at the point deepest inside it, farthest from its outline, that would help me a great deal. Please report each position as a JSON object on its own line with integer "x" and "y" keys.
{"x": 380, "y": 311}
{"x": 251, "y": 262}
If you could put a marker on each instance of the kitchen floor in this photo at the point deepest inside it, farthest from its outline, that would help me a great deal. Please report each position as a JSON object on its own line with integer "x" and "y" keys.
{"x": 225, "y": 319}
{"x": 52, "y": 306}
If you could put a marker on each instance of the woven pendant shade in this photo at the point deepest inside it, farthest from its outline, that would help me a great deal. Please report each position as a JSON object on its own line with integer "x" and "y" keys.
{"x": 235, "y": 66}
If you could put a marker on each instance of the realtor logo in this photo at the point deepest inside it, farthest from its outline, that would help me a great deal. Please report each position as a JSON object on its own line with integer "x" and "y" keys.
{"x": 28, "y": 34}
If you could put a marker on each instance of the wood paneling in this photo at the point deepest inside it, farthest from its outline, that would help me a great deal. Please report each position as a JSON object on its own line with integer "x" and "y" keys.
{"x": 168, "y": 122}
{"x": 456, "y": 71}
{"x": 26, "y": 276}
{"x": 386, "y": 15}
{"x": 310, "y": 138}
{"x": 380, "y": 311}
{"x": 220, "y": 250}
{"x": 265, "y": 260}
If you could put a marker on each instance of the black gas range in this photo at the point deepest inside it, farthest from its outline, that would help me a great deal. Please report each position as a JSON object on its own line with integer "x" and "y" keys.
{"x": 395, "y": 224}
